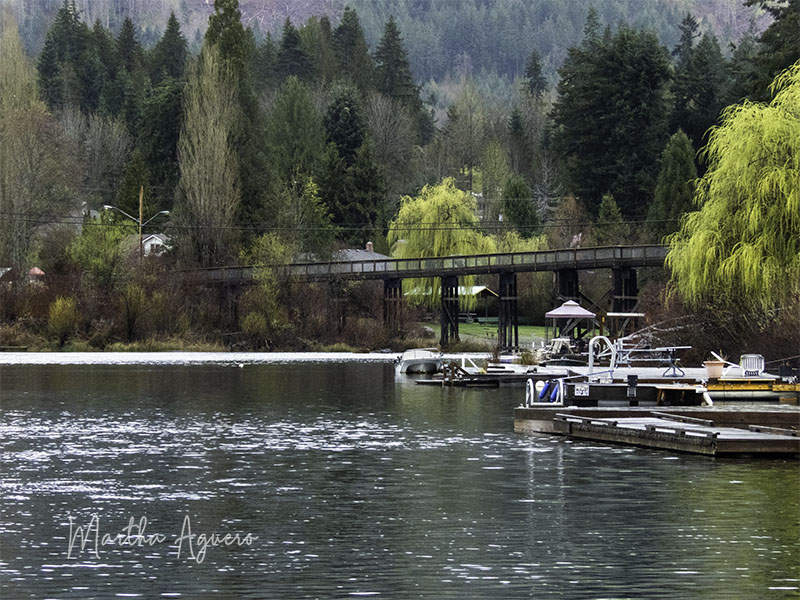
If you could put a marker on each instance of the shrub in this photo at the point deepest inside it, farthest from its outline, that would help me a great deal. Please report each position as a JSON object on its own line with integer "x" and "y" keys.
{"x": 63, "y": 320}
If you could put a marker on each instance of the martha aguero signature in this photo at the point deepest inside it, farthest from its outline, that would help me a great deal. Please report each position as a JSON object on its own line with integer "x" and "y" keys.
{"x": 191, "y": 546}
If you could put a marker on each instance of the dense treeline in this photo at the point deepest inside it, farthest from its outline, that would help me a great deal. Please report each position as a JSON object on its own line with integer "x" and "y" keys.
{"x": 272, "y": 149}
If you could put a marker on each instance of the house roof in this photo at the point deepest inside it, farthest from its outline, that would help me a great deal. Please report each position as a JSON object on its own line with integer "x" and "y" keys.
{"x": 569, "y": 310}
{"x": 358, "y": 254}
{"x": 159, "y": 237}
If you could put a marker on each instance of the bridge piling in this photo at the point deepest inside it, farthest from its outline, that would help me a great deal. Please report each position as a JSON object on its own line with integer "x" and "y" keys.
{"x": 626, "y": 291}
{"x": 508, "y": 316}
{"x": 392, "y": 303}
{"x": 449, "y": 315}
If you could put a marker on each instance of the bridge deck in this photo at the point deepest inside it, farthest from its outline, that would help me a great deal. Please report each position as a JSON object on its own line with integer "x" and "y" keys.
{"x": 477, "y": 264}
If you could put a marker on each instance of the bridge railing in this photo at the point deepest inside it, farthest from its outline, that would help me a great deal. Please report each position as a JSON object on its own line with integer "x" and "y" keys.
{"x": 543, "y": 260}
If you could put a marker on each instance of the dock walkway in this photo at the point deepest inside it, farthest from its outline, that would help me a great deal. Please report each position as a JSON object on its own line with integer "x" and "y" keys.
{"x": 681, "y": 433}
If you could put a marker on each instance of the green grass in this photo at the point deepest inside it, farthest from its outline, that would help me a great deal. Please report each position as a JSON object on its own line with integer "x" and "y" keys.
{"x": 527, "y": 333}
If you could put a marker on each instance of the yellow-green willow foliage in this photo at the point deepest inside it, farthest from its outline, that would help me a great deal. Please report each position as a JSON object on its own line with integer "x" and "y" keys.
{"x": 743, "y": 244}
{"x": 441, "y": 221}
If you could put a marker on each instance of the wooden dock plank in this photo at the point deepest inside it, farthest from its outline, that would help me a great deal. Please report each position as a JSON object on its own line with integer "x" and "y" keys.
{"x": 666, "y": 433}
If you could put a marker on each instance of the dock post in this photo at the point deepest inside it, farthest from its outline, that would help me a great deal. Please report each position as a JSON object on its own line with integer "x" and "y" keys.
{"x": 392, "y": 303}
{"x": 449, "y": 316}
{"x": 508, "y": 317}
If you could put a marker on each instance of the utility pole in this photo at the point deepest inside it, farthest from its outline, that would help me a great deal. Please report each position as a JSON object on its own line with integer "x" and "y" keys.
{"x": 141, "y": 219}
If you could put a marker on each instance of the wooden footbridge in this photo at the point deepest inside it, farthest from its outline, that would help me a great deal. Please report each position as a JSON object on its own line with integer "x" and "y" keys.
{"x": 565, "y": 263}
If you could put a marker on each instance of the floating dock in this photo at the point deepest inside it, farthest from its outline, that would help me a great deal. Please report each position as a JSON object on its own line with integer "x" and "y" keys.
{"x": 710, "y": 431}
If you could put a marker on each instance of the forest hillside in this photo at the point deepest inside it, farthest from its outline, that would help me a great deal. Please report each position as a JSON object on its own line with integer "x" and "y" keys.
{"x": 442, "y": 37}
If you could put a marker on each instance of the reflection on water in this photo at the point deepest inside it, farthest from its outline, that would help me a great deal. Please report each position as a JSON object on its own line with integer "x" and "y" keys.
{"x": 357, "y": 483}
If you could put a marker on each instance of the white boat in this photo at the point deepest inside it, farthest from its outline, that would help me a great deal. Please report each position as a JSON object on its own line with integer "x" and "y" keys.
{"x": 419, "y": 360}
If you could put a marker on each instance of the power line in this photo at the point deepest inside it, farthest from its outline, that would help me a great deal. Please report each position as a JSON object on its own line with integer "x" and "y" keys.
{"x": 423, "y": 226}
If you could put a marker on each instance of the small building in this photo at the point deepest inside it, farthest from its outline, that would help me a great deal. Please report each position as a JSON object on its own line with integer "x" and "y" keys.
{"x": 155, "y": 244}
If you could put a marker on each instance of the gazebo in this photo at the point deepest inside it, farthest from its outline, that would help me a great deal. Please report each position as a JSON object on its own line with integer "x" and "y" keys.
{"x": 570, "y": 320}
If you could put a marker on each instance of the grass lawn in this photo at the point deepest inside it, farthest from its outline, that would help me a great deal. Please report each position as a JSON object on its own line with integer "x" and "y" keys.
{"x": 488, "y": 333}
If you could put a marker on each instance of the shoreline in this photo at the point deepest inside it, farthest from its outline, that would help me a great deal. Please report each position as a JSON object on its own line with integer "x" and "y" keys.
{"x": 181, "y": 357}
{"x": 186, "y": 358}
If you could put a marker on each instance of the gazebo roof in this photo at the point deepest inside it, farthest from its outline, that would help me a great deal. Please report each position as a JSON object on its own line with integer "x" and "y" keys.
{"x": 570, "y": 310}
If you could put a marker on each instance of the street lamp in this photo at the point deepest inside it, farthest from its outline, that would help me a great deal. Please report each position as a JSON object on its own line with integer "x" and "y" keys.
{"x": 138, "y": 221}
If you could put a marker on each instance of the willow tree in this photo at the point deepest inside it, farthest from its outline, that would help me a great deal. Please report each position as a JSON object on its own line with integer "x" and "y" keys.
{"x": 208, "y": 193}
{"x": 743, "y": 244}
{"x": 441, "y": 221}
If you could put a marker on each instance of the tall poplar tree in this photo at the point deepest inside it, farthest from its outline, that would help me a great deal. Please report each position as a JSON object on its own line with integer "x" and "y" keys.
{"x": 33, "y": 180}
{"x": 235, "y": 45}
{"x": 208, "y": 196}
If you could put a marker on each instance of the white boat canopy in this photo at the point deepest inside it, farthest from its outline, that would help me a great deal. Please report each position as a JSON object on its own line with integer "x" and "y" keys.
{"x": 570, "y": 310}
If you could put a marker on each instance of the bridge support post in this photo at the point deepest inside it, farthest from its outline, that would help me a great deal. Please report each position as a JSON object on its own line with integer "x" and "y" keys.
{"x": 625, "y": 293}
{"x": 567, "y": 284}
{"x": 508, "y": 317}
{"x": 392, "y": 303}
{"x": 449, "y": 316}
{"x": 338, "y": 303}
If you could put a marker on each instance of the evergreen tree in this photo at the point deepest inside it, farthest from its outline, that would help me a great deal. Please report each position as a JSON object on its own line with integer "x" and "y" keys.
{"x": 129, "y": 51}
{"x": 168, "y": 57}
{"x": 292, "y": 59}
{"x": 369, "y": 194}
{"x": 355, "y": 63}
{"x": 393, "y": 75}
{"x": 344, "y": 125}
{"x": 779, "y": 44}
{"x": 337, "y": 191}
{"x": 51, "y": 87}
{"x": 264, "y": 64}
{"x": 226, "y": 32}
{"x": 537, "y": 84}
{"x": 611, "y": 117}
{"x": 674, "y": 187}
{"x": 316, "y": 40}
{"x": 519, "y": 150}
{"x": 135, "y": 179}
{"x": 162, "y": 114}
{"x": 518, "y": 206}
{"x": 742, "y": 72}
{"x": 698, "y": 88}
{"x": 65, "y": 64}
{"x": 106, "y": 47}
{"x": 611, "y": 230}
{"x": 296, "y": 134}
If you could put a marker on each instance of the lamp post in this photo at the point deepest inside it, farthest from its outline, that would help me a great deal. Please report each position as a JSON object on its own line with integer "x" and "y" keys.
{"x": 137, "y": 221}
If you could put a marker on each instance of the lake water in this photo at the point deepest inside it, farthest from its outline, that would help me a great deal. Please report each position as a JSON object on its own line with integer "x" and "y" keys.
{"x": 341, "y": 480}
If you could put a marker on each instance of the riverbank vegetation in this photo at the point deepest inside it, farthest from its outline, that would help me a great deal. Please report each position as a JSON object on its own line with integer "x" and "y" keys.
{"x": 243, "y": 146}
